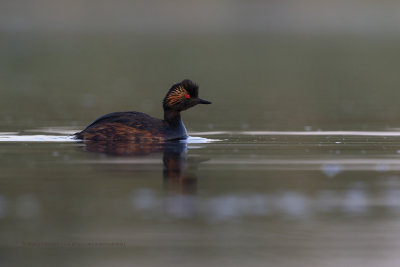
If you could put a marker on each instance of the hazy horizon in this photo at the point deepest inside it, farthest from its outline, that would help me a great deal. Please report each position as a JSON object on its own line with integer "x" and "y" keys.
{"x": 303, "y": 16}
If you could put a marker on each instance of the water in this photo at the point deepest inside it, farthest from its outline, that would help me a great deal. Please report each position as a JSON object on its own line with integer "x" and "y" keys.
{"x": 296, "y": 162}
{"x": 328, "y": 199}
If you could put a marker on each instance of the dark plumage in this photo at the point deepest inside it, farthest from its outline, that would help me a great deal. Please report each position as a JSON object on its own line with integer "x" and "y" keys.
{"x": 142, "y": 128}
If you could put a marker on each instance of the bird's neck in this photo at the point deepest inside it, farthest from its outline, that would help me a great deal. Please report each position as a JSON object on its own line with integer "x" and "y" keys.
{"x": 172, "y": 117}
{"x": 175, "y": 128}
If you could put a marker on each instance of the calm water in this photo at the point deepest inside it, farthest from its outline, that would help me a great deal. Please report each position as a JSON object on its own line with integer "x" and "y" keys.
{"x": 294, "y": 199}
{"x": 296, "y": 163}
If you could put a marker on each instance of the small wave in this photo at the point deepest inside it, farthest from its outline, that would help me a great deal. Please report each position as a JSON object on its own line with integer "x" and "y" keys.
{"x": 198, "y": 140}
{"x": 302, "y": 133}
{"x": 14, "y": 137}
{"x": 35, "y": 138}
{"x": 54, "y": 130}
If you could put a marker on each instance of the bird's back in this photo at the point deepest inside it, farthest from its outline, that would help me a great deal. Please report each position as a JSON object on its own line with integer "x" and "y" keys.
{"x": 131, "y": 125}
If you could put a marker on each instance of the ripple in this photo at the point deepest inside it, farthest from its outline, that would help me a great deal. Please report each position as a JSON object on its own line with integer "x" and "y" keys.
{"x": 36, "y": 138}
{"x": 198, "y": 140}
{"x": 15, "y": 137}
{"x": 52, "y": 135}
{"x": 303, "y": 133}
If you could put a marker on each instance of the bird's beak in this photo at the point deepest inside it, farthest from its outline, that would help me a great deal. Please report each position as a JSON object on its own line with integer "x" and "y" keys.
{"x": 202, "y": 101}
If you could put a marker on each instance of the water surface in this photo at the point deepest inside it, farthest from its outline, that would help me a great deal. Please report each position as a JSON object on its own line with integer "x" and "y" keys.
{"x": 296, "y": 162}
{"x": 326, "y": 198}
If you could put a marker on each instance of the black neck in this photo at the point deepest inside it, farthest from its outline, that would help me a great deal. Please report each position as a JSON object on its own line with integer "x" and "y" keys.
{"x": 172, "y": 116}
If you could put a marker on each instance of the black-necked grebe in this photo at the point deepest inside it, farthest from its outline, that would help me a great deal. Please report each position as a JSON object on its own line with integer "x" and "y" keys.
{"x": 140, "y": 127}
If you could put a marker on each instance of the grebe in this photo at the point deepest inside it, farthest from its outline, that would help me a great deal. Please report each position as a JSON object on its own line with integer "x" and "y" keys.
{"x": 142, "y": 128}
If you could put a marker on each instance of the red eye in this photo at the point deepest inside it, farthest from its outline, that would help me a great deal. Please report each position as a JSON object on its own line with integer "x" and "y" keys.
{"x": 187, "y": 96}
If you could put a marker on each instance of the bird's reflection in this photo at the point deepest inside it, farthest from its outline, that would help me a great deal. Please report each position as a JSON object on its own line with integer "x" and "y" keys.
{"x": 178, "y": 177}
{"x": 179, "y": 173}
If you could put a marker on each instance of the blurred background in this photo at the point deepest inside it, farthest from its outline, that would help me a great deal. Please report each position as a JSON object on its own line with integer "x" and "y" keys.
{"x": 249, "y": 199}
{"x": 266, "y": 64}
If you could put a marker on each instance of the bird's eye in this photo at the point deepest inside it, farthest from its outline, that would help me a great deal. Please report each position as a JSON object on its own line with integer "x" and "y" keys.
{"x": 187, "y": 96}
